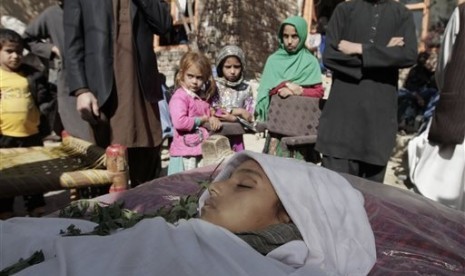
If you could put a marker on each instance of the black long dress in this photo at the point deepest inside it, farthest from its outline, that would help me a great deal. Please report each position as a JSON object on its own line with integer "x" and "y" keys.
{"x": 359, "y": 120}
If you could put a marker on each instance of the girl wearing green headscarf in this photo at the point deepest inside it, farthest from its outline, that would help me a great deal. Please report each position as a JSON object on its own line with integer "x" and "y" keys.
{"x": 291, "y": 70}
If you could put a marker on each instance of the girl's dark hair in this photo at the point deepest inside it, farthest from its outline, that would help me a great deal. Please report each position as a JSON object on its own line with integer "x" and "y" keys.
{"x": 7, "y": 35}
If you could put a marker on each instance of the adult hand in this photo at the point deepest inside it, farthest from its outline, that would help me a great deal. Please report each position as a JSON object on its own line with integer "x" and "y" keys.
{"x": 56, "y": 51}
{"x": 87, "y": 106}
{"x": 396, "y": 41}
{"x": 245, "y": 114}
{"x": 226, "y": 117}
{"x": 349, "y": 48}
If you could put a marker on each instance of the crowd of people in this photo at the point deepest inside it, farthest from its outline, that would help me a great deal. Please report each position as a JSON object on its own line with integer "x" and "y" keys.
{"x": 108, "y": 88}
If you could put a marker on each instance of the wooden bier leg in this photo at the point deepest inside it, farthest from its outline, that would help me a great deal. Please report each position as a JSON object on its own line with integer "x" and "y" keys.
{"x": 117, "y": 167}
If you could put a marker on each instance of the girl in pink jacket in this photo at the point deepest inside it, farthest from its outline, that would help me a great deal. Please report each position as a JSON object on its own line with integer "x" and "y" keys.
{"x": 189, "y": 110}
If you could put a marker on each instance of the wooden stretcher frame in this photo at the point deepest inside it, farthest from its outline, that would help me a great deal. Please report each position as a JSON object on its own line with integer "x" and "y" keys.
{"x": 37, "y": 174}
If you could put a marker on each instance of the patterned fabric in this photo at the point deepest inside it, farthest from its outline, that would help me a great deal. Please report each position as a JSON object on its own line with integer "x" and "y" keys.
{"x": 236, "y": 96}
{"x": 292, "y": 127}
{"x": 75, "y": 163}
{"x": 272, "y": 237}
{"x": 228, "y": 51}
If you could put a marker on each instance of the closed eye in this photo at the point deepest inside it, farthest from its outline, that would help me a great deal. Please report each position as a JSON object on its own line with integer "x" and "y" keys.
{"x": 244, "y": 186}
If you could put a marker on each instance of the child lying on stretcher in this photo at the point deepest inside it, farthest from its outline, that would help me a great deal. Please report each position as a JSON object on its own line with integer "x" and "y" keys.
{"x": 302, "y": 219}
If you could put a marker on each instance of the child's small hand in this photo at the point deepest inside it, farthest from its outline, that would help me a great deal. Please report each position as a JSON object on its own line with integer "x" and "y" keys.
{"x": 285, "y": 92}
{"x": 226, "y": 117}
{"x": 244, "y": 114}
{"x": 295, "y": 88}
{"x": 215, "y": 123}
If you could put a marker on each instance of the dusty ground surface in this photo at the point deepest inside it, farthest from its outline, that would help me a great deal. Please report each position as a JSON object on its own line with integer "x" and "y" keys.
{"x": 396, "y": 174}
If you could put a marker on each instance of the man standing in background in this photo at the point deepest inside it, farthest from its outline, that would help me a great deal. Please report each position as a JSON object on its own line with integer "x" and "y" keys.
{"x": 367, "y": 41}
{"x": 112, "y": 71}
{"x": 46, "y": 39}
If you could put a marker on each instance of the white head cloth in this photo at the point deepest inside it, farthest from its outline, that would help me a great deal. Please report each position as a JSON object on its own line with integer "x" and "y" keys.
{"x": 327, "y": 210}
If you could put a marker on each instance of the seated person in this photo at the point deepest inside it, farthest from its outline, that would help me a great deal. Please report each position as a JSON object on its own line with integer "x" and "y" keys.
{"x": 418, "y": 91}
{"x": 234, "y": 98}
{"x": 253, "y": 221}
{"x": 291, "y": 70}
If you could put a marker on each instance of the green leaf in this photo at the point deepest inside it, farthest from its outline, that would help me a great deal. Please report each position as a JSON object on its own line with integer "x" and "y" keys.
{"x": 35, "y": 258}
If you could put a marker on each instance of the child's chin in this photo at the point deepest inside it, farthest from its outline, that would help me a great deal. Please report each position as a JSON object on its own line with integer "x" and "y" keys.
{"x": 232, "y": 79}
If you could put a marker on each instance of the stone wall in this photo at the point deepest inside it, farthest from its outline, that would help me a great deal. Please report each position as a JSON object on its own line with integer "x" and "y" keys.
{"x": 168, "y": 61}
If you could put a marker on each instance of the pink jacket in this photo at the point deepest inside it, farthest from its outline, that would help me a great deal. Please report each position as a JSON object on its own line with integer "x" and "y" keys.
{"x": 184, "y": 108}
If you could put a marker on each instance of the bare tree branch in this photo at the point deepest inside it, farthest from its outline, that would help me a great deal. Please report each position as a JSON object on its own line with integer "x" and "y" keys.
{"x": 183, "y": 18}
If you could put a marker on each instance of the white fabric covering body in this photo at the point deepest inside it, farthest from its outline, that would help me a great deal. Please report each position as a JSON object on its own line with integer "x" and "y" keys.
{"x": 338, "y": 239}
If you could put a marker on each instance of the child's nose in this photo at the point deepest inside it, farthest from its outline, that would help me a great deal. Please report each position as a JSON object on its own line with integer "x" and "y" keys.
{"x": 213, "y": 189}
{"x": 216, "y": 188}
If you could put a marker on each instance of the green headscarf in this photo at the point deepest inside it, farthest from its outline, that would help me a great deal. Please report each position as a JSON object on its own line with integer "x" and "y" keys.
{"x": 299, "y": 67}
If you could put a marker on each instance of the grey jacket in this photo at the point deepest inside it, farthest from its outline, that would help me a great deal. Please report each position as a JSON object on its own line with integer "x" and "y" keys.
{"x": 88, "y": 26}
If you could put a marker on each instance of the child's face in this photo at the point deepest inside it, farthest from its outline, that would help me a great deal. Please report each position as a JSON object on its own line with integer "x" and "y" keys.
{"x": 245, "y": 202}
{"x": 290, "y": 38}
{"x": 193, "y": 79}
{"x": 313, "y": 30}
{"x": 232, "y": 69}
{"x": 11, "y": 55}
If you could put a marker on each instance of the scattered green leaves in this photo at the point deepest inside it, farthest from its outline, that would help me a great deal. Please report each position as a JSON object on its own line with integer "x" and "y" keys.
{"x": 35, "y": 258}
{"x": 114, "y": 216}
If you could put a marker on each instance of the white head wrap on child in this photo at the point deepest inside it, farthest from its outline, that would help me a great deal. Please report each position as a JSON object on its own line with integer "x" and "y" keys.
{"x": 328, "y": 211}
{"x": 229, "y": 51}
